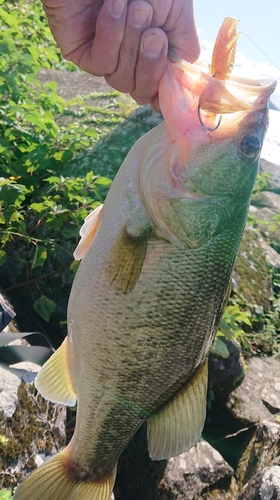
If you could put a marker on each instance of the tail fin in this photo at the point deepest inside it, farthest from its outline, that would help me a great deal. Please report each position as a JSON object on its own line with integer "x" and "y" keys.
{"x": 51, "y": 482}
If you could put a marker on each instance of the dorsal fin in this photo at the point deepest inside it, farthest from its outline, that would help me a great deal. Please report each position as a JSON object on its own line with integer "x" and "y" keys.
{"x": 88, "y": 232}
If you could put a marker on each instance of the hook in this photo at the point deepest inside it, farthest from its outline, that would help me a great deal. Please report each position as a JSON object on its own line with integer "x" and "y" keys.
{"x": 210, "y": 129}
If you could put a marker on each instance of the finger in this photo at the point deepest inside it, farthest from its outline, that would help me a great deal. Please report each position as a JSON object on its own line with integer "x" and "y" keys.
{"x": 101, "y": 56}
{"x": 139, "y": 16}
{"x": 181, "y": 30}
{"x": 150, "y": 66}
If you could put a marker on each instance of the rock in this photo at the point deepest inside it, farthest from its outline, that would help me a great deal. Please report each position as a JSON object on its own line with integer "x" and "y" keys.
{"x": 194, "y": 473}
{"x": 258, "y": 394}
{"x": 263, "y": 486}
{"x": 263, "y": 450}
{"x": 115, "y": 145}
{"x": 267, "y": 199}
{"x": 272, "y": 257}
{"x": 31, "y": 429}
{"x": 268, "y": 225}
{"x": 274, "y": 182}
{"x": 251, "y": 275}
{"x": 191, "y": 475}
{"x": 10, "y": 380}
{"x": 225, "y": 374}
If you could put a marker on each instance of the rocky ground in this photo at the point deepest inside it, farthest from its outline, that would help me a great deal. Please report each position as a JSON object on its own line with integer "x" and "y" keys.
{"x": 238, "y": 457}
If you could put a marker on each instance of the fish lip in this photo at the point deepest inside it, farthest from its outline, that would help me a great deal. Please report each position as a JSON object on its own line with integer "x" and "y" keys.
{"x": 246, "y": 93}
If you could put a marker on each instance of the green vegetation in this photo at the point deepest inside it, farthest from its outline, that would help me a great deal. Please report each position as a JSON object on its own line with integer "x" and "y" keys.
{"x": 41, "y": 206}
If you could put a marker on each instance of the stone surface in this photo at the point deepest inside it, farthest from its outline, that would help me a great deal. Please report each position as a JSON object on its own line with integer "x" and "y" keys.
{"x": 10, "y": 380}
{"x": 268, "y": 225}
{"x": 189, "y": 475}
{"x": 267, "y": 199}
{"x": 31, "y": 429}
{"x": 263, "y": 486}
{"x": 251, "y": 276}
{"x": 262, "y": 451}
{"x": 258, "y": 394}
{"x": 274, "y": 182}
{"x": 272, "y": 257}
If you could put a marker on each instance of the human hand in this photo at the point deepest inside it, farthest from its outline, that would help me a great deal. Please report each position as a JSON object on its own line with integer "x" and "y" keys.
{"x": 126, "y": 41}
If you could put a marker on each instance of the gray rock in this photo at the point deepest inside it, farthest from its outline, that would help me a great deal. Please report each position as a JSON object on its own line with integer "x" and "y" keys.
{"x": 31, "y": 429}
{"x": 10, "y": 380}
{"x": 262, "y": 451}
{"x": 251, "y": 275}
{"x": 272, "y": 257}
{"x": 267, "y": 199}
{"x": 263, "y": 486}
{"x": 274, "y": 182}
{"x": 192, "y": 473}
{"x": 267, "y": 222}
{"x": 259, "y": 392}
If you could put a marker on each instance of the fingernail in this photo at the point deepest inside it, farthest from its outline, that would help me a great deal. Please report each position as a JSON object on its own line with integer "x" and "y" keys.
{"x": 152, "y": 46}
{"x": 118, "y": 8}
{"x": 140, "y": 16}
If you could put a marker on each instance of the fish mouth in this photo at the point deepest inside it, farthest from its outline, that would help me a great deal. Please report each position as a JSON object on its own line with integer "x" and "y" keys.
{"x": 224, "y": 96}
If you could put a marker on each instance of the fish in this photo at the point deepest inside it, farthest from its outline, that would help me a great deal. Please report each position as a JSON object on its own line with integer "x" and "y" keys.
{"x": 152, "y": 284}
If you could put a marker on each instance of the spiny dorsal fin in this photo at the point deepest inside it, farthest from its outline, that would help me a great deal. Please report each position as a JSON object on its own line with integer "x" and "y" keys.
{"x": 178, "y": 426}
{"x": 87, "y": 232}
{"x": 53, "y": 380}
{"x": 126, "y": 260}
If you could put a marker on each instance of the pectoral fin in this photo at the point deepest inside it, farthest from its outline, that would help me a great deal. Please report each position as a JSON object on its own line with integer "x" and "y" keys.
{"x": 53, "y": 380}
{"x": 126, "y": 260}
{"x": 87, "y": 232}
{"x": 179, "y": 424}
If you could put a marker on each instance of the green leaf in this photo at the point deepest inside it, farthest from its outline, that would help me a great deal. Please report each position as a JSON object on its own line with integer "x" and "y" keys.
{"x": 5, "y": 494}
{"x": 74, "y": 266}
{"x": 103, "y": 181}
{"x": 10, "y": 193}
{"x": 220, "y": 348}
{"x": 44, "y": 307}
{"x": 71, "y": 232}
{"x": 38, "y": 207}
{"x": 3, "y": 257}
{"x": 39, "y": 257}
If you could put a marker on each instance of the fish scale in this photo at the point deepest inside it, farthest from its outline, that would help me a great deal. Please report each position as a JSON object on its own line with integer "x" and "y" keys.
{"x": 164, "y": 344}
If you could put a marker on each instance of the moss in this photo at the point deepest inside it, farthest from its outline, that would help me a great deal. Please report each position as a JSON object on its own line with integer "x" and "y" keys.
{"x": 251, "y": 273}
{"x": 24, "y": 434}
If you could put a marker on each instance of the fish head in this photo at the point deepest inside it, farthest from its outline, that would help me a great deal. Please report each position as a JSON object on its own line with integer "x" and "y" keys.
{"x": 206, "y": 160}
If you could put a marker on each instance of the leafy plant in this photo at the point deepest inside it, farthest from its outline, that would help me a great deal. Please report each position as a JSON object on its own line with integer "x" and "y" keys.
{"x": 41, "y": 206}
{"x": 230, "y": 328}
{"x": 5, "y": 495}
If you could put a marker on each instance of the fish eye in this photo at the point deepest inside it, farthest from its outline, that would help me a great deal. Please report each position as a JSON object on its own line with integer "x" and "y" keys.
{"x": 251, "y": 145}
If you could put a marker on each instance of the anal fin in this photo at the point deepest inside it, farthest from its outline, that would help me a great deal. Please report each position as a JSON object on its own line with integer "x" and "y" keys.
{"x": 126, "y": 260}
{"x": 178, "y": 426}
{"x": 53, "y": 380}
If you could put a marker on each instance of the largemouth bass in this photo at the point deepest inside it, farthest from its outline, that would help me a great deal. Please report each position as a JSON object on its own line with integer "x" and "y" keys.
{"x": 156, "y": 263}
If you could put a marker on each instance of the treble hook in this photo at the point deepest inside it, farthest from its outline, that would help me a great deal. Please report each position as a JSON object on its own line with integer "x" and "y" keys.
{"x": 210, "y": 129}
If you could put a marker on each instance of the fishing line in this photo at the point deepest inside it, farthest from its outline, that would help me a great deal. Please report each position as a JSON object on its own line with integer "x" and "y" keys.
{"x": 243, "y": 32}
